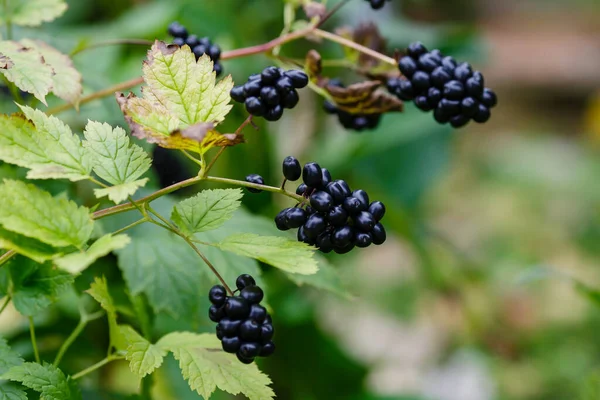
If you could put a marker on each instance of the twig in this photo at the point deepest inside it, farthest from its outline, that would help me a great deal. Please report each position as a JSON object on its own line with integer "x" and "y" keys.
{"x": 349, "y": 43}
{"x": 36, "y": 353}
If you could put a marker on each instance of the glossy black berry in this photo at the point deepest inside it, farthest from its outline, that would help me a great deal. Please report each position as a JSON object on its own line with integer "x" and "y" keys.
{"x": 299, "y": 79}
{"x": 295, "y": 217}
{"x": 336, "y": 191}
{"x": 440, "y": 76}
{"x": 255, "y": 106}
{"x": 252, "y": 89}
{"x": 237, "y": 93}
{"x": 266, "y": 333}
{"x": 301, "y": 189}
{"x": 324, "y": 242}
{"x": 345, "y": 249}
{"x": 416, "y": 49}
{"x": 325, "y": 177}
{"x": 364, "y": 221}
{"x": 463, "y": 72}
{"x": 244, "y": 280}
{"x": 179, "y": 41}
{"x": 377, "y": 210}
{"x": 407, "y": 66}
{"x": 427, "y": 62}
{"x": 252, "y": 294}
{"x": 250, "y": 330}
{"x": 216, "y": 313}
{"x": 353, "y": 205}
{"x": 363, "y": 239}
{"x": 270, "y": 75}
{"x": 217, "y": 295}
{"x": 269, "y": 95}
{"x": 362, "y": 196}
{"x": 342, "y": 236}
{"x": 469, "y": 106}
{"x": 315, "y": 224}
{"x": 303, "y": 237}
{"x": 229, "y": 327}
{"x": 243, "y": 359}
{"x": 312, "y": 174}
{"x": 378, "y": 234}
{"x": 290, "y": 99}
{"x": 249, "y": 350}
{"x": 256, "y": 179}
{"x": 257, "y": 313}
{"x": 177, "y": 30}
{"x": 291, "y": 168}
{"x": 482, "y": 115}
{"x": 267, "y": 349}
{"x": 236, "y": 308}
{"x": 420, "y": 81}
{"x": 274, "y": 114}
{"x": 280, "y": 220}
{"x": 321, "y": 201}
{"x": 284, "y": 84}
{"x": 337, "y": 216}
{"x": 231, "y": 344}
{"x": 488, "y": 98}
{"x": 454, "y": 90}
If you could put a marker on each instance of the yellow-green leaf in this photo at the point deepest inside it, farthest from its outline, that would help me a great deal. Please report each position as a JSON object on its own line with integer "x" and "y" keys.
{"x": 143, "y": 356}
{"x": 207, "y": 367}
{"x": 30, "y": 211}
{"x": 78, "y": 261}
{"x": 207, "y": 210}
{"x": 99, "y": 291}
{"x": 286, "y": 254}
{"x": 33, "y": 12}
{"x": 182, "y": 101}
{"x": 119, "y": 193}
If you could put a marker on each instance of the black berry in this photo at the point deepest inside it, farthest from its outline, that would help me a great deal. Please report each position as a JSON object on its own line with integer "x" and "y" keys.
{"x": 257, "y": 179}
{"x": 312, "y": 174}
{"x": 217, "y": 295}
{"x": 252, "y": 294}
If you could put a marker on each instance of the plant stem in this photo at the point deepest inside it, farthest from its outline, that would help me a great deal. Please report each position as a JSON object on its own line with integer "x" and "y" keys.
{"x": 36, "y": 353}
{"x": 142, "y": 42}
{"x": 349, "y": 43}
{"x": 128, "y": 206}
{"x": 97, "y": 182}
{"x": 6, "y": 303}
{"x": 83, "y": 321}
{"x": 94, "y": 367}
{"x": 262, "y": 48}
{"x": 134, "y": 224}
{"x": 4, "y": 258}
{"x": 266, "y": 188}
{"x": 110, "y": 91}
{"x": 212, "y": 268}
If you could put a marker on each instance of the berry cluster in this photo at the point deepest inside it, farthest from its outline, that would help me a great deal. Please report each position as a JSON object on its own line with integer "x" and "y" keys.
{"x": 377, "y": 4}
{"x": 357, "y": 122}
{"x": 243, "y": 325}
{"x": 454, "y": 92}
{"x": 199, "y": 46}
{"x": 268, "y": 93}
{"x": 337, "y": 218}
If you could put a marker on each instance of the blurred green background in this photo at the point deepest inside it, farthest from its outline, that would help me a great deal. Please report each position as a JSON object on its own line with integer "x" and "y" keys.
{"x": 486, "y": 287}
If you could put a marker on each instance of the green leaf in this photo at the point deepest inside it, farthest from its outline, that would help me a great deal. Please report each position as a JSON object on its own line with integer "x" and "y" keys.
{"x": 12, "y": 392}
{"x": 46, "y": 379}
{"x": 181, "y": 102}
{"x": 47, "y": 147}
{"x": 29, "y": 247}
{"x": 34, "y": 12}
{"x": 66, "y": 80}
{"x": 36, "y": 286}
{"x": 286, "y": 254}
{"x": 162, "y": 266}
{"x": 143, "y": 356}
{"x": 30, "y": 211}
{"x": 206, "y": 367}
{"x": 207, "y": 210}
{"x": 8, "y": 357}
{"x": 28, "y": 71}
{"x": 116, "y": 160}
{"x": 99, "y": 291}
{"x": 119, "y": 193}
{"x": 77, "y": 262}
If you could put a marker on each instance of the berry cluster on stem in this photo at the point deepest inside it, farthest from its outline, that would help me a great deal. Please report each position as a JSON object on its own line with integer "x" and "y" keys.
{"x": 198, "y": 45}
{"x": 244, "y": 327}
{"x": 331, "y": 217}
{"x": 454, "y": 92}
{"x": 268, "y": 93}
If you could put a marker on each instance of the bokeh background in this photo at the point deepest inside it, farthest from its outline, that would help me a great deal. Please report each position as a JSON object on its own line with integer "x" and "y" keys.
{"x": 487, "y": 286}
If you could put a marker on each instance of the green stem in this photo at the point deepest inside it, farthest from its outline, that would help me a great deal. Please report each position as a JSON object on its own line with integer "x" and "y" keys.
{"x": 132, "y": 225}
{"x": 6, "y": 303}
{"x": 4, "y": 258}
{"x": 140, "y": 305}
{"x": 212, "y": 267}
{"x": 266, "y": 188}
{"x": 128, "y": 206}
{"x": 96, "y": 366}
{"x": 349, "y": 43}
{"x": 97, "y": 182}
{"x": 83, "y": 321}
{"x": 36, "y": 353}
